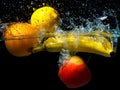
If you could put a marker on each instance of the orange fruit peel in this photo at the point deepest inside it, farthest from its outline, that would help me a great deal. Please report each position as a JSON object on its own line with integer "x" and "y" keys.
{"x": 21, "y": 39}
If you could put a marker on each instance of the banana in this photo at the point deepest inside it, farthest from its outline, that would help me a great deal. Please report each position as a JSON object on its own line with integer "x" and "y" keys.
{"x": 96, "y": 44}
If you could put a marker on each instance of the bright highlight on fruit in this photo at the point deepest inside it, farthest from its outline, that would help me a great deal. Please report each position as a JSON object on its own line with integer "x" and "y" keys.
{"x": 46, "y": 18}
{"x": 20, "y": 39}
{"x": 74, "y": 73}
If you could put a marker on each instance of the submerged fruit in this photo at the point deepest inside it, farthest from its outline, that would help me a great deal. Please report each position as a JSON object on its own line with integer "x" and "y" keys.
{"x": 75, "y": 42}
{"x": 45, "y": 17}
{"x": 20, "y": 39}
{"x": 74, "y": 72}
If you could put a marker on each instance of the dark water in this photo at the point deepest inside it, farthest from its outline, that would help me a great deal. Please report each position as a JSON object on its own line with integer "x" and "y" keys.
{"x": 40, "y": 70}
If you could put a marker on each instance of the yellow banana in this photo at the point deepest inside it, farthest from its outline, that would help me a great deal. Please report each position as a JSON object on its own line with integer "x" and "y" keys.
{"x": 80, "y": 43}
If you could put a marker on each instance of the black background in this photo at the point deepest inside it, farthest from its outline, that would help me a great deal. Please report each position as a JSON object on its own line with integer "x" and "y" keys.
{"x": 40, "y": 70}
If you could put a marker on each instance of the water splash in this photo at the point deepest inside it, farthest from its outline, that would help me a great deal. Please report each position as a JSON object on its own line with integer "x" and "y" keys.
{"x": 99, "y": 25}
{"x": 79, "y": 22}
{"x": 86, "y": 26}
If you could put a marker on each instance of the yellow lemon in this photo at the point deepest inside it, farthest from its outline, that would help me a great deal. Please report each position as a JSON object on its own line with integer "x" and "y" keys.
{"x": 46, "y": 18}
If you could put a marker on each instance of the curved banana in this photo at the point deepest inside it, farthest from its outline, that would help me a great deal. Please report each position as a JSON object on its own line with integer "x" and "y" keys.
{"x": 91, "y": 43}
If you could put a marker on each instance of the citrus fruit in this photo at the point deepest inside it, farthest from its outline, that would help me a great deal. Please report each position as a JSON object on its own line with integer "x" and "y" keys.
{"x": 45, "y": 17}
{"x": 20, "y": 39}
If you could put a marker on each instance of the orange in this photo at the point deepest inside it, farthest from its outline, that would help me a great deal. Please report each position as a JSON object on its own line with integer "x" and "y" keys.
{"x": 18, "y": 39}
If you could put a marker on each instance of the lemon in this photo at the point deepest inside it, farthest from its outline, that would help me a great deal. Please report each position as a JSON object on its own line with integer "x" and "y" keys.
{"x": 46, "y": 18}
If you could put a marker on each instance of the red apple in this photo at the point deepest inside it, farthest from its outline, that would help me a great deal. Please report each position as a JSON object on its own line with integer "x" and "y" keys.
{"x": 74, "y": 72}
